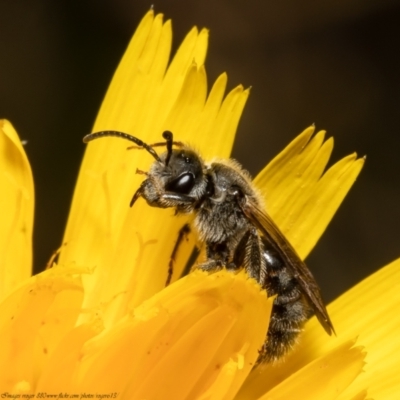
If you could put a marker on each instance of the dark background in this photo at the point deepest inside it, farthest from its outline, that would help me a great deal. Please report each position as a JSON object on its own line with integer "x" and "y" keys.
{"x": 333, "y": 63}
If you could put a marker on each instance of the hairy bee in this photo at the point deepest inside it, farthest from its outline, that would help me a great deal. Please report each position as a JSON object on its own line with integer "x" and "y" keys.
{"x": 237, "y": 233}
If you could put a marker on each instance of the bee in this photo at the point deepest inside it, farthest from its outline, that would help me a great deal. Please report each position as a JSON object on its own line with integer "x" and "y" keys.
{"x": 236, "y": 231}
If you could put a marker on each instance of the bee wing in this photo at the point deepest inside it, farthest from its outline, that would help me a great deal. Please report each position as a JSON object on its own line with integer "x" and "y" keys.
{"x": 275, "y": 237}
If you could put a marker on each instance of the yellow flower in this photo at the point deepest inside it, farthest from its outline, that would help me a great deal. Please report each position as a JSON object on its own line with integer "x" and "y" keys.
{"x": 101, "y": 322}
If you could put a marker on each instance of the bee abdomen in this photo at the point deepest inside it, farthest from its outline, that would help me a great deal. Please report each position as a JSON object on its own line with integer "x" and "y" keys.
{"x": 286, "y": 324}
{"x": 289, "y": 312}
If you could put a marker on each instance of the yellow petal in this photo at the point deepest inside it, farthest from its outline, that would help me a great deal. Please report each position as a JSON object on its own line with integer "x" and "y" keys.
{"x": 107, "y": 176}
{"x": 189, "y": 104}
{"x": 298, "y": 197}
{"x": 222, "y": 132}
{"x": 16, "y": 203}
{"x": 324, "y": 378}
{"x": 201, "y": 333}
{"x": 359, "y": 396}
{"x": 368, "y": 311}
{"x": 33, "y": 320}
{"x": 57, "y": 373}
{"x": 137, "y": 77}
{"x": 124, "y": 245}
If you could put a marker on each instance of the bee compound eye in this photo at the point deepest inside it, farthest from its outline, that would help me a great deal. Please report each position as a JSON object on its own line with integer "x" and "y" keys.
{"x": 183, "y": 184}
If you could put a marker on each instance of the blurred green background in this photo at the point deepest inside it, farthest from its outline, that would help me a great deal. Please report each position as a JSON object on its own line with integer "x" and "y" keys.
{"x": 332, "y": 63}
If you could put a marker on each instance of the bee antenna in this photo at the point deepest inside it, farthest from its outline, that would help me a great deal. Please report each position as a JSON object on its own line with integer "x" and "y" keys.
{"x": 169, "y": 138}
{"x": 140, "y": 143}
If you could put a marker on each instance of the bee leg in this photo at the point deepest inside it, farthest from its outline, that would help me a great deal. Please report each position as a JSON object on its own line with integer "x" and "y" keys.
{"x": 251, "y": 252}
{"x": 240, "y": 252}
{"x": 217, "y": 257}
{"x": 210, "y": 266}
{"x": 178, "y": 198}
{"x": 54, "y": 257}
{"x": 190, "y": 264}
{"x": 169, "y": 199}
{"x": 183, "y": 232}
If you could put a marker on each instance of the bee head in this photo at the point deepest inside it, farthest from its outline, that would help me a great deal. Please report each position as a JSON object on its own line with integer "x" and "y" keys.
{"x": 175, "y": 173}
{"x": 180, "y": 171}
